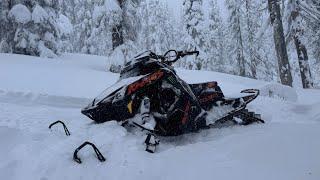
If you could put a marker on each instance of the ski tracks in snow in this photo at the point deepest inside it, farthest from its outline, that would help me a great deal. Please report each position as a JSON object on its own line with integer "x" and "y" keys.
{"x": 31, "y": 99}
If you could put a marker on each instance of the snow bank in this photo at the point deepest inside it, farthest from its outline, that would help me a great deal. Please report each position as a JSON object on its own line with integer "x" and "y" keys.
{"x": 274, "y": 90}
{"x": 116, "y": 60}
{"x": 20, "y": 14}
{"x": 44, "y": 51}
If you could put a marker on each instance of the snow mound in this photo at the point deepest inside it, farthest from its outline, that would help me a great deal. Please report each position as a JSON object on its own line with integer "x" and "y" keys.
{"x": 20, "y": 14}
{"x": 274, "y": 90}
{"x": 44, "y": 51}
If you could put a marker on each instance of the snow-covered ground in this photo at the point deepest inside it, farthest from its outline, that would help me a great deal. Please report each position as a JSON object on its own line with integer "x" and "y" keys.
{"x": 35, "y": 92}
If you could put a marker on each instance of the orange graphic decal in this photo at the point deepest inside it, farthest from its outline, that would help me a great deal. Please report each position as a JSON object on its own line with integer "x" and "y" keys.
{"x": 147, "y": 80}
{"x": 208, "y": 98}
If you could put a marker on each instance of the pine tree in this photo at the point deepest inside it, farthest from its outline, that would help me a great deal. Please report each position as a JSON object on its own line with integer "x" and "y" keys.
{"x": 5, "y": 30}
{"x": 156, "y": 30}
{"x": 105, "y": 16}
{"x": 125, "y": 32}
{"x": 236, "y": 28}
{"x": 251, "y": 11}
{"x": 215, "y": 45}
{"x": 311, "y": 16}
{"x": 296, "y": 31}
{"x": 82, "y": 25}
{"x": 193, "y": 20}
{"x": 131, "y": 22}
{"x": 117, "y": 30}
{"x": 32, "y": 27}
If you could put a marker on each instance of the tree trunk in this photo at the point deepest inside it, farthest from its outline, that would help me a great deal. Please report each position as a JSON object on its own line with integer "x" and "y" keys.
{"x": 279, "y": 41}
{"x": 117, "y": 34}
{"x": 301, "y": 49}
{"x": 303, "y": 63}
{"x": 252, "y": 53}
{"x": 241, "y": 60}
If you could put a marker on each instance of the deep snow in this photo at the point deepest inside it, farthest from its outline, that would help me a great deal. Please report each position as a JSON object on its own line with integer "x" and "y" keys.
{"x": 35, "y": 92}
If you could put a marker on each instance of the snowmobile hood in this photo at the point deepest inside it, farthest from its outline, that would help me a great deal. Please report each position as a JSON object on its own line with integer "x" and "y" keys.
{"x": 115, "y": 87}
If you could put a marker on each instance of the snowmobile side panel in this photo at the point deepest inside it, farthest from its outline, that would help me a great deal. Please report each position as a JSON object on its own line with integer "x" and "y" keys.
{"x": 207, "y": 93}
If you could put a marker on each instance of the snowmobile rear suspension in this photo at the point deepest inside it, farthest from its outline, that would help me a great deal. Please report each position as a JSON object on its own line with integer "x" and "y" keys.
{"x": 248, "y": 117}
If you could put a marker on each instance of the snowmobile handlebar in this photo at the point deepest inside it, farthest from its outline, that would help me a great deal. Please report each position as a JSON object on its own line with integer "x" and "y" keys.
{"x": 172, "y": 56}
{"x": 189, "y": 53}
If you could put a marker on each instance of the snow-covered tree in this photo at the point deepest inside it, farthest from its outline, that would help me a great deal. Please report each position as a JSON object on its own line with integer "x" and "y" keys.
{"x": 66, "y": 33}
{"x": 82, "y": 25}
{"x": 131, "y": 21}
{"x": 296, "y": 33}
{"x": 125, "y": 33}
{"x": 252, "y": 25}
{"x": 32, "y": 27}
{"x": 215, "y": 39}
{"x": 5, "y": 30}
{"x": 313, "y": 22}
{"x": 156, "y": 27}
{"x": 68, "y": 9}
{"x": 193, "y": 20}
{"x": 236, "y": 31}
{"x": 105, "y": 16}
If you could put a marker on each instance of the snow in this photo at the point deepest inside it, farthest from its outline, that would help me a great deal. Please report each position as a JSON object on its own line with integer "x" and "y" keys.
{"x": 65, "y": 25}
{"x": 279, "y": 91}
{"x": 20, "y": 13}
{"x": 35, "y": 92}
{"x": 112, "y": 5}
{"x": 108, "y": 6}
{"x": 39, "y": 15}
{"x": 44, "y": 51}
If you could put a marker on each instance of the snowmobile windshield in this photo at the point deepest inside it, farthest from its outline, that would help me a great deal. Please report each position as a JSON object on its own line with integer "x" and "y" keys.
{"x": 116, "y": 87}
{"x": 132, "y": 67}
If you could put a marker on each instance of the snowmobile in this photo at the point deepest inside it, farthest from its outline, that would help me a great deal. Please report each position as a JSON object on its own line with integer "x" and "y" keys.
{"x": 151, "y": 96}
